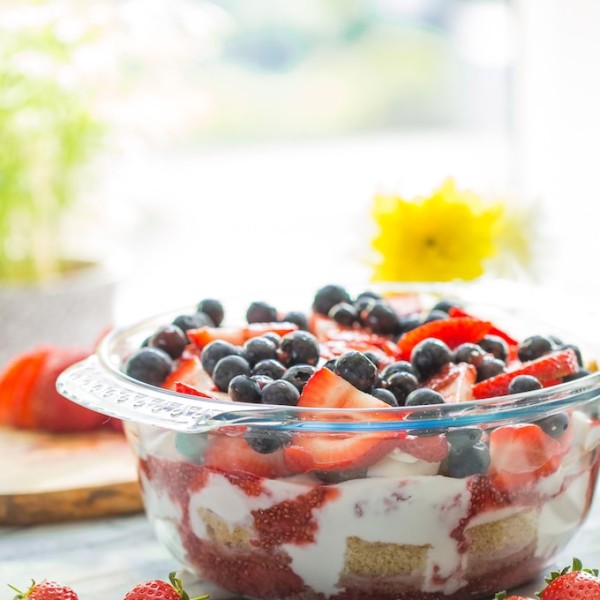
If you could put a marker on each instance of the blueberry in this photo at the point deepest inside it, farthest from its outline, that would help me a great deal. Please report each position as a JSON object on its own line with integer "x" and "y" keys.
{"x": 368, "y": 295}
{"x": 435, "y": 315}
{"x": 227, "y": 368}
{"x": 533, "y": 347}
{"x": 468, "y": 353}
{"x": 193, "y": 321}
{"x": 374, "y": 357}
{"x": 464, "y": 436}
{"x": 445, "y": 305}
{"x": 261, "y": 380}
{"x": 575, "y": 349}
{"x": 261, "y": 312}
{"x": 280, "y": 392}
{"x": 463, "y": 461}
{"x": 270, "y": 367}
{"x": 214, "y": 351}
{"x": 169, "y": 338}
{"x": 401, "y": 384}
{"x": 327, "y": 297}
{"x": 429, "y": 356}
{"x": 298, "y": 318}
{"x": 213, "y": 308}
{"x": 408, "y": 323}
{"x": 298, "y": 375}
{"x": 274, "y": 337}
{"x": 344, "y": 314}
{"x": 357, "y": 369}
{"x": 578, "y": 375}
{"x": 339, "y": 476}
{"x": 554, "y": 425}
{"x": 330, "y": 364}
{"x": 191, "y": 445}
{"x": 259, "y": 348}
{"x": 299, "y": 347}
{"x": 400, "y": 366}
{"x": 149, "y": 365}
{"x": 424, "y": 396}
{"x": 380, "y": 318}
{"x": 267, "y": 441}
{"x": 524, "y": 383}
{"x": 385, "y": 396}
{"x": 494, "y": 344}
{"x": 244, "y": 389}
{"x": 489, "y": 367}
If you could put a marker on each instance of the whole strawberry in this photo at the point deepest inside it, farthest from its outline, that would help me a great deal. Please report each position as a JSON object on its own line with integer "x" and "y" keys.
{"x": 572, "y": 583}
{"x": 503, "y": 596}
{"x": 158, "y": 589}
{"x": 45, "y": 590}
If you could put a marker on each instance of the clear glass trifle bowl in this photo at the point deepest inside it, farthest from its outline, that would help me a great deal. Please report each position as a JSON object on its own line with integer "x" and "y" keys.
{"x": 441, "y": 442}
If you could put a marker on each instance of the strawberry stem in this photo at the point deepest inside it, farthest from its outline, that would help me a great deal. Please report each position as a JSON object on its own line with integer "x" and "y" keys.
{"x": 178, "y": 587}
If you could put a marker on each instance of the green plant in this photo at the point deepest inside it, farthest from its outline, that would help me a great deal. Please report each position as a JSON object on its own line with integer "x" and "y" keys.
{"x": 48, "y": 132}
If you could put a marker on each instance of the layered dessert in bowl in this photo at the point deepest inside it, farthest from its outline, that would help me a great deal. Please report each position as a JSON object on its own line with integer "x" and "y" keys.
{"x": 386, "y": 445}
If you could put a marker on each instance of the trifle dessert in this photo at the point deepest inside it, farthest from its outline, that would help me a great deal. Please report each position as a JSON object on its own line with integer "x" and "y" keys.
{"x": 376, "y": 445}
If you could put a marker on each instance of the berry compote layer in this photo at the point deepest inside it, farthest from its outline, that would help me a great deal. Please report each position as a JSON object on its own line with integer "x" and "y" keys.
{"x": 390, "y": 492}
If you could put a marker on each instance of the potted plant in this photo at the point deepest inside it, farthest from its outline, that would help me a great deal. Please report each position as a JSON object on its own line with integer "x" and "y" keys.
{"x": 49, "y": 132}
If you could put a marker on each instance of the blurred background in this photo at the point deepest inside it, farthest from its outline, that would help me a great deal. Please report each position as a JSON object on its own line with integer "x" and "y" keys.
{"x": 236, "y": 145}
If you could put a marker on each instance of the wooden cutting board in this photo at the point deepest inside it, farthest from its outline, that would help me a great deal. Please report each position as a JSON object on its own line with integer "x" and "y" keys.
{"x": 47, "y": 478}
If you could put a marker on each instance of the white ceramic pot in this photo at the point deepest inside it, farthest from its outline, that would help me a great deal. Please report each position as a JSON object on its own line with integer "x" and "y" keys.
{"x": 73, "y": 310}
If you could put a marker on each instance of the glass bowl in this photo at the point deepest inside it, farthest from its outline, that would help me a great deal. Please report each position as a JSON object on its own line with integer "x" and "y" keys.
{"x": 347, "y": 503}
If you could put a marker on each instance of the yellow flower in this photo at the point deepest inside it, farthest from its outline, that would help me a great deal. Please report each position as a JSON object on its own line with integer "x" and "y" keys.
{"x": 447, "y": 236}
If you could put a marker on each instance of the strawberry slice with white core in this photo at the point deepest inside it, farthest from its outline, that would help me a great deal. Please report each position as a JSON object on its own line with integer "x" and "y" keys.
{"x": 237, "y": 335}
{"x": 189, "y": 371}
{"x": 549, "y": 369}
{"x": 454, "y": 382}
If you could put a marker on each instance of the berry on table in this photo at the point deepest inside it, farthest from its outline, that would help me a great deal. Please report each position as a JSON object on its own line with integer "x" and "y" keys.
{"x": 572, "y": 583}
{"x": 45, "y": 590}
{"x": 157, "y": 589}
{"x": 213, "y": 308}
{"x": 357, "y": 369}
{"x": 149, "y": 365}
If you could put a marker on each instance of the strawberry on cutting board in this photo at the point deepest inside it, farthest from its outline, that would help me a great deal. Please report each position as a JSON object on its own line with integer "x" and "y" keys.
{"x": 28, "y": 396}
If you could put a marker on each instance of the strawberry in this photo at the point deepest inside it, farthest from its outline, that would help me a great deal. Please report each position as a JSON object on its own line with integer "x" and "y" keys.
{"x": 237, "y": 335}
{"x": 232, "y": 454}
{"x": 405, "y": 303}
{"x": 45, "y": 590}
{"x": 454, "y": 382}
{"x": 452, "y": 331}
{"x": 28, "y": 396}
{"x": 158, "y": 589}
{"x": 549, "y": 369}
{"x": 456, "y": 311}
{"x": 572, "y": 583}
{"x": 520, "y": 454}
{"x": 503, "y": 596}
{"x": 189, "y": 371}
{"x": 431, "y": 448}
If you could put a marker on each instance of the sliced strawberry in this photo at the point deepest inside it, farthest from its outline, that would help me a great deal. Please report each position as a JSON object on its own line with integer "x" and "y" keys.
{"x": 520, "y": 454}
{"x": 337, "y": 452}
{"x": 279, "y": 327}
{"x": 204, "y": 335}
{"x": 321, "y": 326}
{"x": 431, "y": 448}
{"x": 184, "y": 388}
{"x": 233, "y": 455}
{"x": 457, "y": 311}
{"x": 549, "y": 369}
{"x": 189, "y": 371}
{"x": 454, "y": 382}
{"x": 405, "y": 303}
{"x": 452, "y": 331}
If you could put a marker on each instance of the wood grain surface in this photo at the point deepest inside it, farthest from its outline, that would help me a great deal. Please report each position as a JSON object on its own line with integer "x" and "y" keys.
{"x": 47, "y": 478}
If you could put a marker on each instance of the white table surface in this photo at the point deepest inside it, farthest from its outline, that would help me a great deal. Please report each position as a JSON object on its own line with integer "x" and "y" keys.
{"x": 103, "y": 559}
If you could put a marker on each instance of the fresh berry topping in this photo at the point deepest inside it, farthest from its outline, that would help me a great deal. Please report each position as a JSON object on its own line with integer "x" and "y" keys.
{"x": 435, "y": 315}
{"x": 299, "y": 347}
{"x": 454, "y": 382}
{"x": 244, "y": 389}
{"x": 213, "y": 308}
{"x": 377, "y": 358}
{"x": 524, "y": 383}
{"x": 521, "y": 454}
{"x": 298, "y": 375}
{"x": 385, "y": 396}
{"x": 259, "y": 348}
{"x": 399, "y": 366}
{"x": 280, "y": 392}
{"x": 327, "y": 297}
{"x": 214, "y": 352}
{"x": 189, "y": 371}
{"x": 465, "y": 460}
{"x": 575, "y": 349}
{"x": 401, "y": 384}
{"x": 261, "y": 312}
{"x": 424, "y": 396}
{"x": 262, "y": 380}
{"x": 193, "y": 321}
{"x": 548, "y": 369}
{"x": 357, "y": 369}
{"x": 554, "y": 425}
{"x": 452, "y": 332}
{"x": 408, "y": 323}
{"x": 380, "y": 318}
{"x": 489, "y": 366}
{"x": 344, "y": 313}
{"x": 429, "y": 356}
{"x": 45, "y": 590}
{"x": 445, "y": 305}
{"x": 533, "y": 347}
{"x": 149, "y": 365}
{"x": 169, "y": 338}
{"x": 298, "y": 318}
{"x": 227, "y": 368}
{"x": 270, "y": 368}
{"x": 495, "y": 345}
{"x": 266, "y": 441}
{"x": 468, "y": 353}
{"x": 577, "y": 375}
